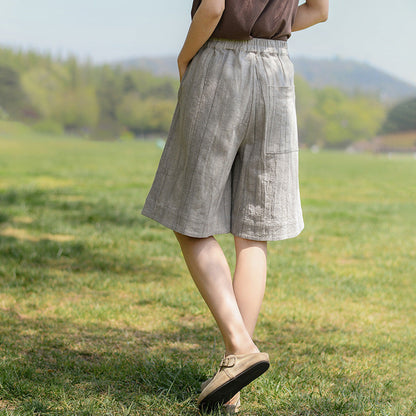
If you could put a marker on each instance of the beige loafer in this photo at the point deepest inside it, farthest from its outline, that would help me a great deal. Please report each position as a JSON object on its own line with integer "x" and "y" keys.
{"x": 235, "y": 372}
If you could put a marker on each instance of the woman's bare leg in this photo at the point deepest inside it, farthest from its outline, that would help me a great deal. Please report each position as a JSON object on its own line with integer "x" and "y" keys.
{"x": 249, "y": 283}
{"x": 211, "y": 273}
{"x": 250, "y": 279}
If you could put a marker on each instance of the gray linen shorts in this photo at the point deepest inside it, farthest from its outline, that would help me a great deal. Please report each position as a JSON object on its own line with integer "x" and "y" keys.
{"x": 230, "y": 162}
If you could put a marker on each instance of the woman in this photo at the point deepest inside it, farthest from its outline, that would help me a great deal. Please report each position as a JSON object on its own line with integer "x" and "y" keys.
{"x": 230, "y": 165}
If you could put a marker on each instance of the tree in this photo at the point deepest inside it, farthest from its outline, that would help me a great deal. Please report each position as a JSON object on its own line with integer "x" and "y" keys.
{"x": 402, "y": 117}
{"x": 145, "y": 116}
{"x": 76, "y": 109}
{"x": 13, "y": 99}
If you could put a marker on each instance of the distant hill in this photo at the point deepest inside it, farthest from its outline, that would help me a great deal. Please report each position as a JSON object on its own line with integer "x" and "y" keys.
{"x": 342, "y": 73}
{"x": 164, "y": 65}
{"x": 352, "y": 75}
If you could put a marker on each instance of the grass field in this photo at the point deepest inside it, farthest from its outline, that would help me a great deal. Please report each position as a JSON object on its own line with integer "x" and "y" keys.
{"x": 98, "y": 315}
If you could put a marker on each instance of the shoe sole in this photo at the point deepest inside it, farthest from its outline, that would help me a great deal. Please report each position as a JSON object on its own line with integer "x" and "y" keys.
{"x": 225, "y": 392}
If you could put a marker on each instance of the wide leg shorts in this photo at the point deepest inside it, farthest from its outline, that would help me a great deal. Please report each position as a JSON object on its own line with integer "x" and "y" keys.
{"x": 230, "y": 162}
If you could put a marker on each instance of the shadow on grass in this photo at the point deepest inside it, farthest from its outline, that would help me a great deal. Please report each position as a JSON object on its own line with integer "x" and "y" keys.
{"x": 36, "y": 264}
{"x": 52, "y": 364}
{"x": 76, "y": 212}
{"x": 35, "y": 260}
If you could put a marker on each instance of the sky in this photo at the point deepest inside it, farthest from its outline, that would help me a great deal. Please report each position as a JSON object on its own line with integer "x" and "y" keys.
{"x": 379, "y": 32}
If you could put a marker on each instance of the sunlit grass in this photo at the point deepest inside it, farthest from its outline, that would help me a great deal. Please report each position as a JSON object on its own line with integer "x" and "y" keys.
{"x": 100, "y": 317}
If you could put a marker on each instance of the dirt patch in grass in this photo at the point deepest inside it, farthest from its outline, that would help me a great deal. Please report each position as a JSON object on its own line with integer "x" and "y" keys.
{"x": 22, "y": 234}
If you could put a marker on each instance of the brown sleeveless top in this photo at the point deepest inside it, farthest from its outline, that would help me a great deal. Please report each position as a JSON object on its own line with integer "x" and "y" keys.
{"x": 246, "y": 19}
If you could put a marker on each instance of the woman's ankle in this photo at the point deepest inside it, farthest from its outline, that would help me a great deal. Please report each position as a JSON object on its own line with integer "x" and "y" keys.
{"x": 241, "y": 348}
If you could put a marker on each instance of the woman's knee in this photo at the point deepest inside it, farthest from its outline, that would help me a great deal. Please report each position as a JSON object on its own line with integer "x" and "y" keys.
{"x": 245, "y": 242}
{"x": 187, "y": 238}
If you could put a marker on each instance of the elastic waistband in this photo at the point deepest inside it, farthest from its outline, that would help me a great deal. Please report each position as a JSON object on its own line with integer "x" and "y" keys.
{"x": 250, "y": 45}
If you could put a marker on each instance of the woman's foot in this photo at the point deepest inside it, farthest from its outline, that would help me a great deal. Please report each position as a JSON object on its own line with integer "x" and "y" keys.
{"x": 235, "y": 372}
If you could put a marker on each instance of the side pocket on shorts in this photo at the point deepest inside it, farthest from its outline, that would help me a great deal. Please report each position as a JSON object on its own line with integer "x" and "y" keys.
{"x": 281, "y": 135}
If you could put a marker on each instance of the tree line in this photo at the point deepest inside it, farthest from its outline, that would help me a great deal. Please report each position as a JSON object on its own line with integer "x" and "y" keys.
{"x": 108, "y": 101}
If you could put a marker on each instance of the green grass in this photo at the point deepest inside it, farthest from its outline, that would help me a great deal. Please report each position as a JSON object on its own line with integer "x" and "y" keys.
{"x": 100, "y": 317}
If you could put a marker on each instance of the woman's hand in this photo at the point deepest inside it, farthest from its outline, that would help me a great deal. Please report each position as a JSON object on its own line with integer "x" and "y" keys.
{"x": 202, "y": 26}
{"x": 182, "y": 65}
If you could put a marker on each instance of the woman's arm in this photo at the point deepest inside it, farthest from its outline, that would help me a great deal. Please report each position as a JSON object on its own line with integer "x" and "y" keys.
{"x": 203, "y": 24}
{"x": 310, "y": 13}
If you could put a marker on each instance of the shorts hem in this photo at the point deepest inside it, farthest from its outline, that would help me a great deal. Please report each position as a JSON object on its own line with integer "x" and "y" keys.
{"x": 276, "y": 236}
{"x": 291, "y": 233}
{"x": 181, "y": 229}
